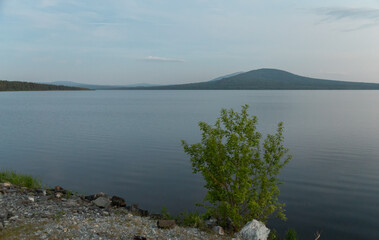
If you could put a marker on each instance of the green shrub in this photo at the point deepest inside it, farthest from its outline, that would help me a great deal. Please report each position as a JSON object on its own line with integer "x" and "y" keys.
{"x": 19, "y": 179}
{"x": 240, "y": 173}
{"x": 273, "y": 235}
{"x": 165, "y": 214}
{"x": 291, "y": 235}
{"x": 194, "y": 220}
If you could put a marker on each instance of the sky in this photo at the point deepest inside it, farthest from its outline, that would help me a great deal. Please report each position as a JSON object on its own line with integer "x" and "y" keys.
{"x": 171, "y": 41}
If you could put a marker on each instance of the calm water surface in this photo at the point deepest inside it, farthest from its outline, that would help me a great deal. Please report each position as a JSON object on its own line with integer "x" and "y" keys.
{"x": 128, "y": 143}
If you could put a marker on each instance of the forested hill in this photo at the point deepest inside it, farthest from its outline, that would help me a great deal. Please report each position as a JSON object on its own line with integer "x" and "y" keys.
{"x": 27, "y": 86}
{"x": 267, "y": 79}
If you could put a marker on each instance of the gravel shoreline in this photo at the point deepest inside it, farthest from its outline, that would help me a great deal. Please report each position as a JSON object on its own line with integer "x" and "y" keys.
{"x": 57, "y": 214}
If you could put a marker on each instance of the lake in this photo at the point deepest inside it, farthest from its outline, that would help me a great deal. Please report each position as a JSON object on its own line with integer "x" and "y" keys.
{"x": 127, "y": 143}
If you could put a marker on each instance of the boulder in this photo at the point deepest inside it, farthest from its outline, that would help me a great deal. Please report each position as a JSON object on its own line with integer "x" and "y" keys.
{"x": 253, "y": 230}
{"x": 118, "y": 201}
{"x": 166, "y": 223}
{"x": 102, "y": 202}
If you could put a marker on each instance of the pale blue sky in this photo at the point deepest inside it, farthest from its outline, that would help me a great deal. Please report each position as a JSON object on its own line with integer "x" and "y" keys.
{"x": 171, "y": 41}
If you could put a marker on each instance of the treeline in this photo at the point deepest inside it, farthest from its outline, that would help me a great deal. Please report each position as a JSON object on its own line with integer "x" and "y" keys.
{"x": 28, "y": 86}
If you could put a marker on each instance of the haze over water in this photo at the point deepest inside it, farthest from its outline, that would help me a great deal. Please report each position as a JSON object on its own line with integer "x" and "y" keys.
{"x": 127, "y": 143}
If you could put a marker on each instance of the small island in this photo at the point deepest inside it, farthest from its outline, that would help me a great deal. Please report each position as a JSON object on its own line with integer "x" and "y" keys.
{"x": 28, "y": 86}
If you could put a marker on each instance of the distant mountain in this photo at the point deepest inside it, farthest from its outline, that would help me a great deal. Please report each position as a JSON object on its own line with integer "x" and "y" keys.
{"x": 225, "y": 76}
{"x": 267, "y": 79}
{"x": 99, "y": 87}
{"x": 28, "y": 86}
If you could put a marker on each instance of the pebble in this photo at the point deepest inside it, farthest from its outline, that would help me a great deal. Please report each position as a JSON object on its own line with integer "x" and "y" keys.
{"x": 48, "y": 217}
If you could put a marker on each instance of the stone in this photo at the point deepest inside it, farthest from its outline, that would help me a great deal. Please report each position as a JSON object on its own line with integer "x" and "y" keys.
{"x": 102, "y": 202}
{"x": 13, "y": 218}
{"x": 219, "y": 230}
{"x": 94, "y": 196}
{"x": 7, "y": 185}
{"x": 229, "y": 226}
{"x": 118, "y": 201}
{"x": 100, "y": 194}
{"x": 58, "y": 188}
{"x": 211, "y": 222}
{"x": 59, "y": 195}
{"x": 72, "y": 202}
{"x": 90, "y": 198}
{"x": 31, "y": 199}
{"x": 254, "y": 230}
{"x": 1, "y": 226}
{"x": 166, "y": 223}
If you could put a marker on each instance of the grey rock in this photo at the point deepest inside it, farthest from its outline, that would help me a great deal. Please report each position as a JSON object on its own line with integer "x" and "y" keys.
{"x": 102, "y": 202}
{"x": 59, "y": 195}
{"x": 7, "y": 185}
{"x": 95, "y": 196}
{"x": 229, "y": 224}
{"x": 100, "y": 194}
{"x": 211, "y": 222}
{"x": 219, "y": 230}
{"x": 72, "y": 203}
{"x": 254, "y": 230}
{"x": 13, "y": 218}
{"x": 166, "y": 223}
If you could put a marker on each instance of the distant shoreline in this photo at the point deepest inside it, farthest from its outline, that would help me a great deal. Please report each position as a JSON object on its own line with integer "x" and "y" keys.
{"x": 16, "y": 86}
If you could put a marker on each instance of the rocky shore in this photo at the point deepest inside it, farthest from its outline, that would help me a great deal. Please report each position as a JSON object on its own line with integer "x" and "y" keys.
{"x": 59, "y": 214}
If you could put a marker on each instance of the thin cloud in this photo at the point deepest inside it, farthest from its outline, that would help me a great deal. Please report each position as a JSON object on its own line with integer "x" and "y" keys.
{"x": 367, "y": 17}
{"x": 338, "y": 13}
{"x": 162, "y": 59}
